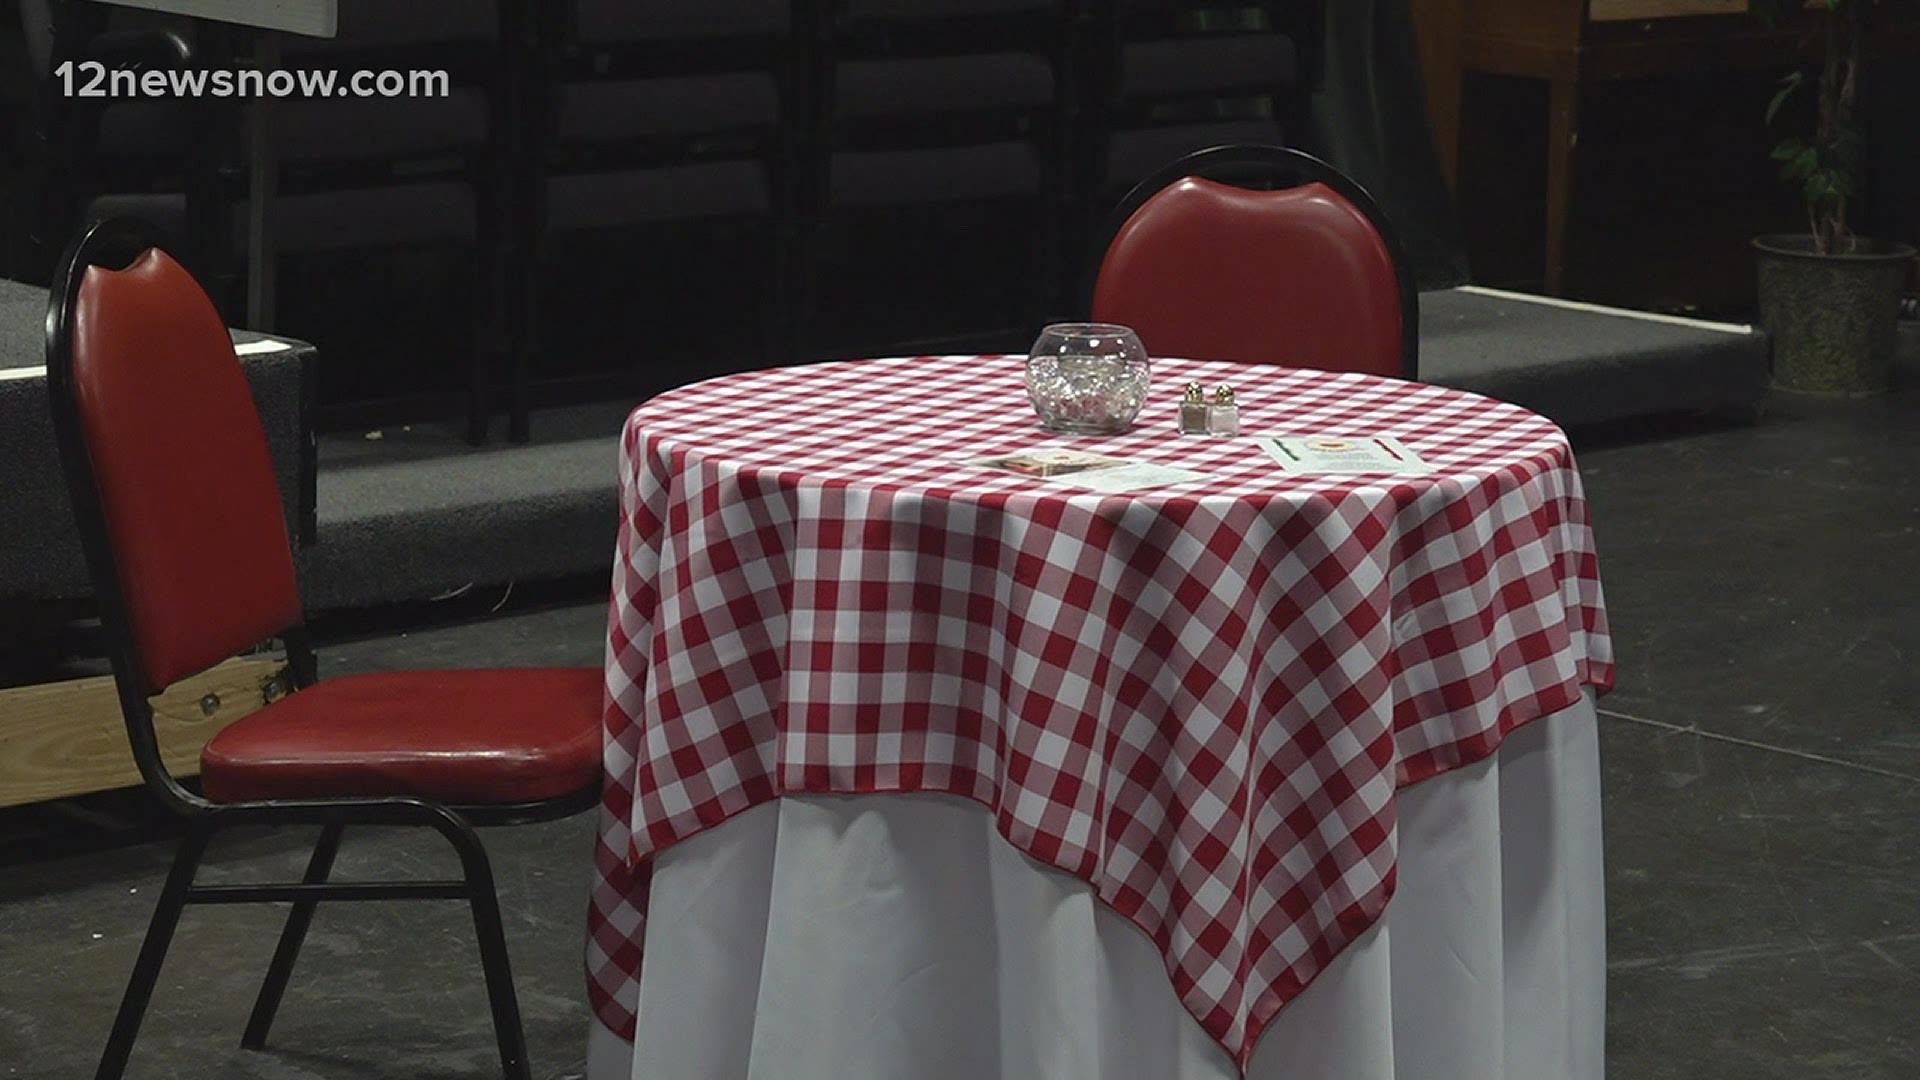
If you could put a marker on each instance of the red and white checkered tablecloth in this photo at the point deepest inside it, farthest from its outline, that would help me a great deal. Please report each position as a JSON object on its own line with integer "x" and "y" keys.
{"x": 1200, "y": 699}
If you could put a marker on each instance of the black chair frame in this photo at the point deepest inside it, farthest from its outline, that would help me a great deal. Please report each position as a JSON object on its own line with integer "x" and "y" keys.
{"x": 1274, "y": 167}
{"x": 113, "y": 243}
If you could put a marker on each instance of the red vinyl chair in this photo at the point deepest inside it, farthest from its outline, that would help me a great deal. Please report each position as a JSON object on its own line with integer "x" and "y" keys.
{"x": 184, "y": 533}
{"x": 1262, "y": 255}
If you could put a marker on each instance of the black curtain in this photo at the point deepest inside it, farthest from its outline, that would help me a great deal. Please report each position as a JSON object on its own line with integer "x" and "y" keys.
{"x": 16, "y": 107}
{"x": 1893, "y": 153}
{"x": 1371, "y": 121}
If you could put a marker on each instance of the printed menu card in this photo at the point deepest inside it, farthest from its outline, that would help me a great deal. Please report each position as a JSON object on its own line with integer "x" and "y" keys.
{"x": 1305, "y": 454}
{"x": 1094, "y": 472}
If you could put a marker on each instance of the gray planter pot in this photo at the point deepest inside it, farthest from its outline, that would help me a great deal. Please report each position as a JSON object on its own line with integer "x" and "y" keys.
{"x": 1833, "y": 318}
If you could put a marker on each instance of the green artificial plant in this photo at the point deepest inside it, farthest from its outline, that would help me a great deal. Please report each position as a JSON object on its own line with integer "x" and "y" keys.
{"x": 1826, "y": 167}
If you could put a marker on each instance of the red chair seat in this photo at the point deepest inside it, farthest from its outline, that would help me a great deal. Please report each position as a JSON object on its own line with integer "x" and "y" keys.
{"x": 483, "y": 737}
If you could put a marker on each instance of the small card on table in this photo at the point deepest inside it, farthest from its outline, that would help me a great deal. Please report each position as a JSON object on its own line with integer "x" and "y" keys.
{"x": 1303, "y": 454}
{"x": 1094, "y": 472}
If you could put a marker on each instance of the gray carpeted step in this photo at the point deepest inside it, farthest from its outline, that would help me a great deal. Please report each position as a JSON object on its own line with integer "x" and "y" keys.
{"x": 415, "y": 512}
{"x": 1581, "y": 363}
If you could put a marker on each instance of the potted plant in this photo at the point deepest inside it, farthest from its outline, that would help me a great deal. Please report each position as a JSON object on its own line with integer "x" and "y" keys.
{"x": 1829, "y": 299}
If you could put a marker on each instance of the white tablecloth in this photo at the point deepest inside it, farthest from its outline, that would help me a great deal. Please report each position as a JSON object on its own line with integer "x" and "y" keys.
{"x": 900, "y": 936}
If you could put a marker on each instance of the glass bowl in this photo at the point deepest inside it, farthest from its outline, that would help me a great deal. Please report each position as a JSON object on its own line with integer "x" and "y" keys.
{"x": 1088, "y": 378}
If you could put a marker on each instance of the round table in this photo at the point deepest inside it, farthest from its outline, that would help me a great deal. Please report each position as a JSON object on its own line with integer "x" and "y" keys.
{"x": 1198, "y": 703}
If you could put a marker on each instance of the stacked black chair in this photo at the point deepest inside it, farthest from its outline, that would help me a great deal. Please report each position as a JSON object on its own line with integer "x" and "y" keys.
{"x": 656, "y": 115}
{"x": 404, "y": 175}
{"x": 101, "y": 155}
{"x": 929, "y": 109}
{"x": 633, "y": 194}
{"x": 1167, "y": 79}
{"x": 1177, "y": 77}
{"x": 353, "y": 174}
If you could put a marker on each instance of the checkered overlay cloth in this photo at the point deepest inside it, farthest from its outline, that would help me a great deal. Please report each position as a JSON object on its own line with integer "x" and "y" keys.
{"x": 1200, "y": 699}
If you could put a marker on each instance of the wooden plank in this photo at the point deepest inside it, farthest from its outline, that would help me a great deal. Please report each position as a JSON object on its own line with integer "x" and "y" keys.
{"x": 1758, "y": 50}
{"x": 315, "y": 18}
{"x": 1437, "y": 26}
{"x": 1507, "y": 56}
{"x": 1552, "y": 23}
{"x": 67, "y": 738}
{"x": 1620, "y": 10}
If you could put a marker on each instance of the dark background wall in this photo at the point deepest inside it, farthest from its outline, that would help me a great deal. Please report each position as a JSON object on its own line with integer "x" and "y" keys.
{"x": 15, "y": 89}
{"x": 1894, "y": 177}
{"x": 1370, "y": 119}
{"x": 1674, "y": 178}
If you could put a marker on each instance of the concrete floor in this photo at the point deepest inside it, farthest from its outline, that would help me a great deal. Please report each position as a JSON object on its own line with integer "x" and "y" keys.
{"x": 1762, "y": 764}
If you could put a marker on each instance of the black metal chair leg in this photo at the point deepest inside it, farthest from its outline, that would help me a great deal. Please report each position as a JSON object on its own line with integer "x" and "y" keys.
{"x": 495, "y": 337}
{"x": 523, "y": 118}
{"x": 295, "y": 932}
{"x": 521, "y": 274}
{"x": 153, "y": 952}
{"x": 519, "y": 389}
{"x": 493, "y": 956}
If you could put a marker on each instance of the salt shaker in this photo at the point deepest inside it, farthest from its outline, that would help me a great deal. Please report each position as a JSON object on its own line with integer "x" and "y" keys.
{"x": 1223, "y": 416}
{"x": 1193, "y": 410}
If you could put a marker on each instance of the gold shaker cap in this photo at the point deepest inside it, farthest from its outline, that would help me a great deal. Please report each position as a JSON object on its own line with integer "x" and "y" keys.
{"x": 1195, "y": 393}
{"x": 1223, "y": 394}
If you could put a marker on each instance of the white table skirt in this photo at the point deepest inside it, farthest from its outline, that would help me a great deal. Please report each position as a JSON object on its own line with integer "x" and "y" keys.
{"x": 900, "y": 936}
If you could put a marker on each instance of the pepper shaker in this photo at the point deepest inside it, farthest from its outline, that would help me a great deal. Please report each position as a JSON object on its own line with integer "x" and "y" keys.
{"x": 1223, "y": 415}
{"x": 1193, "y": 410}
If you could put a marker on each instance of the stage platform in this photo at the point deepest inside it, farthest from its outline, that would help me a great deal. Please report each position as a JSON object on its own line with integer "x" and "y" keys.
{"x": 1582, "y": 364}
{"x": 409, "y": 514}
{"x": 414, "y": 513}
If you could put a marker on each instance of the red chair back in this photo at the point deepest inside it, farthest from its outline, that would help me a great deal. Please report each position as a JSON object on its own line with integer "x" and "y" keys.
{"x": 190, "y": 521}
{"x": 1303, "y": 276}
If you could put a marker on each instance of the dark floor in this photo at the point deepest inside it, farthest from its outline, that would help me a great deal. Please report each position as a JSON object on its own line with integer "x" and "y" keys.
{"x": 1762, "y": 751}
{"x": 1762, "y": 798}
